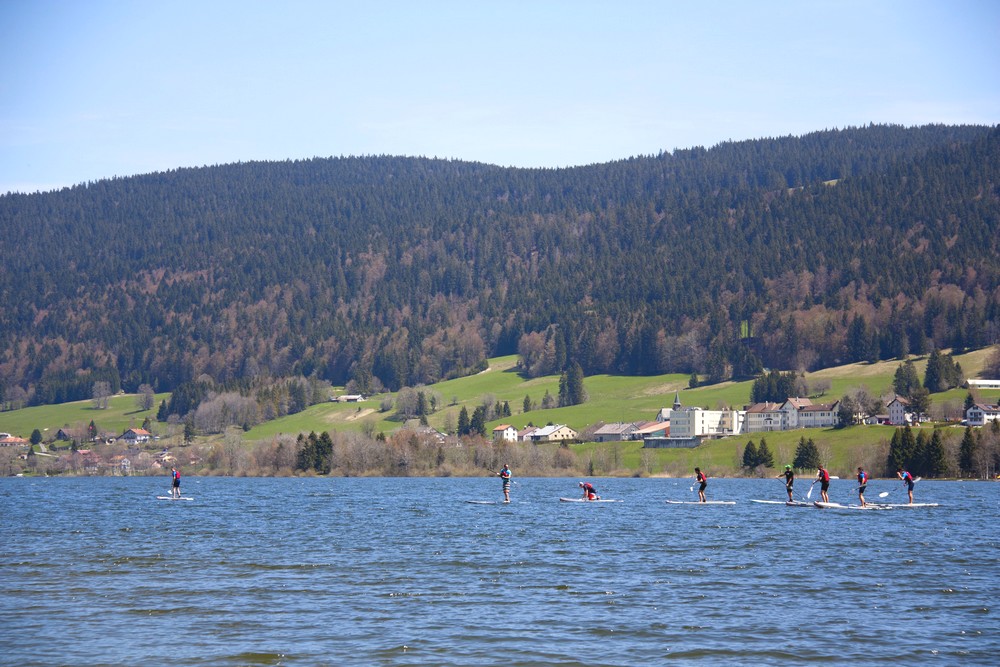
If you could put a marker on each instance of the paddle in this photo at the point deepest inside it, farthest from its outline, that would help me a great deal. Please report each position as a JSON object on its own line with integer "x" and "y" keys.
{"x": 885, "y": 493}
{"x": 809, "y": 495}
{"x": 497, "y": 473}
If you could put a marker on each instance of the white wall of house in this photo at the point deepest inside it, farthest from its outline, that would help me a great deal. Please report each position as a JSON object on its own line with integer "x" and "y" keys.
{"x": 980, "y": 415}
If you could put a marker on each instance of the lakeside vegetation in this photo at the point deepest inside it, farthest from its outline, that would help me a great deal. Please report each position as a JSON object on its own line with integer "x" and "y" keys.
{"x": 365, "y": 438}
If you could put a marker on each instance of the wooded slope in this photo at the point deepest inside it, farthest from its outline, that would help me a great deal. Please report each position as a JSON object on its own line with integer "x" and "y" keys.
{"x": 802, "y": 252}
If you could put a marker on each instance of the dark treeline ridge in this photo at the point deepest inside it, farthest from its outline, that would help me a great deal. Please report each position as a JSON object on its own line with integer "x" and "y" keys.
{"x": 788, "y": 253}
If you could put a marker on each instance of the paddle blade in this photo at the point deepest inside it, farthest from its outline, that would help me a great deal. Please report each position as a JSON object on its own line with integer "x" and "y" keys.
{"x": 883, "y": 494}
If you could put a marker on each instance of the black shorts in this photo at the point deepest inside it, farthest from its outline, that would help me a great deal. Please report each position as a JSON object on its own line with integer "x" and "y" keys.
{"x": 824, "y": 486}
{"x": 861, "y": 489}
{"x": 909, "y": 485}
{"x": 703, "y": 485}
{"x": 177, "y": 483}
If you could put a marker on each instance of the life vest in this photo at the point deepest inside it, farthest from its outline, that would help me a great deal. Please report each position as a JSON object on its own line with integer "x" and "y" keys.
{"x": 702, "y": 477}
{"x": 824, "y": 475}
{"x": 862, "y": 478}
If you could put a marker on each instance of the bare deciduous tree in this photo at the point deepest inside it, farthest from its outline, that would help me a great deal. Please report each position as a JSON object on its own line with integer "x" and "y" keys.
{"x": 146, "y": 398}
{"x": 100, "y": 394}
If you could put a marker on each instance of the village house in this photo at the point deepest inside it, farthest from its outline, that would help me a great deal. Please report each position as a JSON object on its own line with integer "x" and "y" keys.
{"x": 554, "y": 433}
{"x": 505, "y": 433}
{"x": 8, "y": 440}
{"x": 615, "y": 432}
{"x": 348, "y": 398}
{"x": 695, "y": 422}
{"x": 983, "y": 384}
{"x": 765, "y": 417}
{"x": 524, "y": 435}
{"x": 899, "y": 411}
{"x": 654, "y": 429}
{"x": 135, "y": 436}
{"x": 982, "y": 413}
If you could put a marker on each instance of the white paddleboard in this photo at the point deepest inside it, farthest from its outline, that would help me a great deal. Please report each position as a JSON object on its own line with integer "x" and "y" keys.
{"x": 904, "y": 506}
{"x": 583, "y": 500}
{"x": 788, "y": 503}
{"x": 838, "y": 506}
{"x": 486, "y": 502}
{"x": 172, "y": 498}
{"x": 695, "y": 502}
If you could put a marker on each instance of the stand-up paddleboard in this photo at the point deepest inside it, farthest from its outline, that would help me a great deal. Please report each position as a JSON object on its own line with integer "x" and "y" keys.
{"x": 788, "y": 503}
{"x": 904, "y": 506}
{"x": 488, "y": 502}
{"x": 838, "y": 506}
{"x": 584, "y": 500}
{"x": 695, "y": 502}
{"x": 172, "y": 498}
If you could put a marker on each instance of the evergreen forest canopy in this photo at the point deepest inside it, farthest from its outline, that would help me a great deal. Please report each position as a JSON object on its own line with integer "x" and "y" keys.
{"x": 790, "y": 253}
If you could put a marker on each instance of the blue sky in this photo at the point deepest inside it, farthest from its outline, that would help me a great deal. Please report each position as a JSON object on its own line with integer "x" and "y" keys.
{"x": 97, "y": 89}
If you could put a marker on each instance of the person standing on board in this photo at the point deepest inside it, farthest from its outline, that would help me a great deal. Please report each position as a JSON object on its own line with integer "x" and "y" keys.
{"x": 908, "y": 480}
{"x": 505, "y": 477}
{"x": 589, "y": 492}
{"x": 175, "y": 490}
{"x": 702, "y": 479}
{"x": 862, "y": 483}
{"x": 823, "y": 477}
{"x": 789, "y": 476}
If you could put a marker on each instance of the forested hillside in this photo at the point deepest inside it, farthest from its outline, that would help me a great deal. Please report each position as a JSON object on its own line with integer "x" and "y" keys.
{"x": 798, "y": 252}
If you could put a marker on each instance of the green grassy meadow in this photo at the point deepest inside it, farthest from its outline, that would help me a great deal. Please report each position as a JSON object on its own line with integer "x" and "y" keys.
{"x": 611, "y": 399}
{"x": 122, "y": 413}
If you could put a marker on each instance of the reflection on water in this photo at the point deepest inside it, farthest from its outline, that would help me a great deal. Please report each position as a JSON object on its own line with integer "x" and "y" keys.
{"x": 405, "y": 572}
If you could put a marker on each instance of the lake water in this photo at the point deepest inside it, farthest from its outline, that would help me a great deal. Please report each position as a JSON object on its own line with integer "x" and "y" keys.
{"x": 96, "y": 571}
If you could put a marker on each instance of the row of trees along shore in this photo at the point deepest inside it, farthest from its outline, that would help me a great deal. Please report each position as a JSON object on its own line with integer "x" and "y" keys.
{"x": 930, "y": 453}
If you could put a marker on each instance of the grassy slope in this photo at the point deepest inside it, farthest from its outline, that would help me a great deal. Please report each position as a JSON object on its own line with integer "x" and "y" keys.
{"x": 611, "y": 398}
{"x": 120, "y": 414}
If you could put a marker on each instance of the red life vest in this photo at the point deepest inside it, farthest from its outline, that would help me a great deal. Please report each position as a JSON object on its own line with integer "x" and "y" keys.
{"x": 824, "y": 475}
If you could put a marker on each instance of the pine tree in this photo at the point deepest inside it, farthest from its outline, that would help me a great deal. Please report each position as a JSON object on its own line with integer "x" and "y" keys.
{"x": 575, "y": 390}
{"x": 764, "y": 456}
{"x": 902, "y": 447}
{"x": 937, "y": 463}
{"x": 918, "y": 462}
{"x": 324, "y": 453}
{"x": 563, "y": 390}
{"x": 526, "y": 405}
{"x": 750, "y": 455}
{"x": 905, "y": 380}
{"x": 967, "y": 453}
{"x": 305, "y": 455}
{"x": 477, "y": 425}
{"x": 934, "y": 380}
{"x": 463, "y": 421}
{"x": 806, "y": 455}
